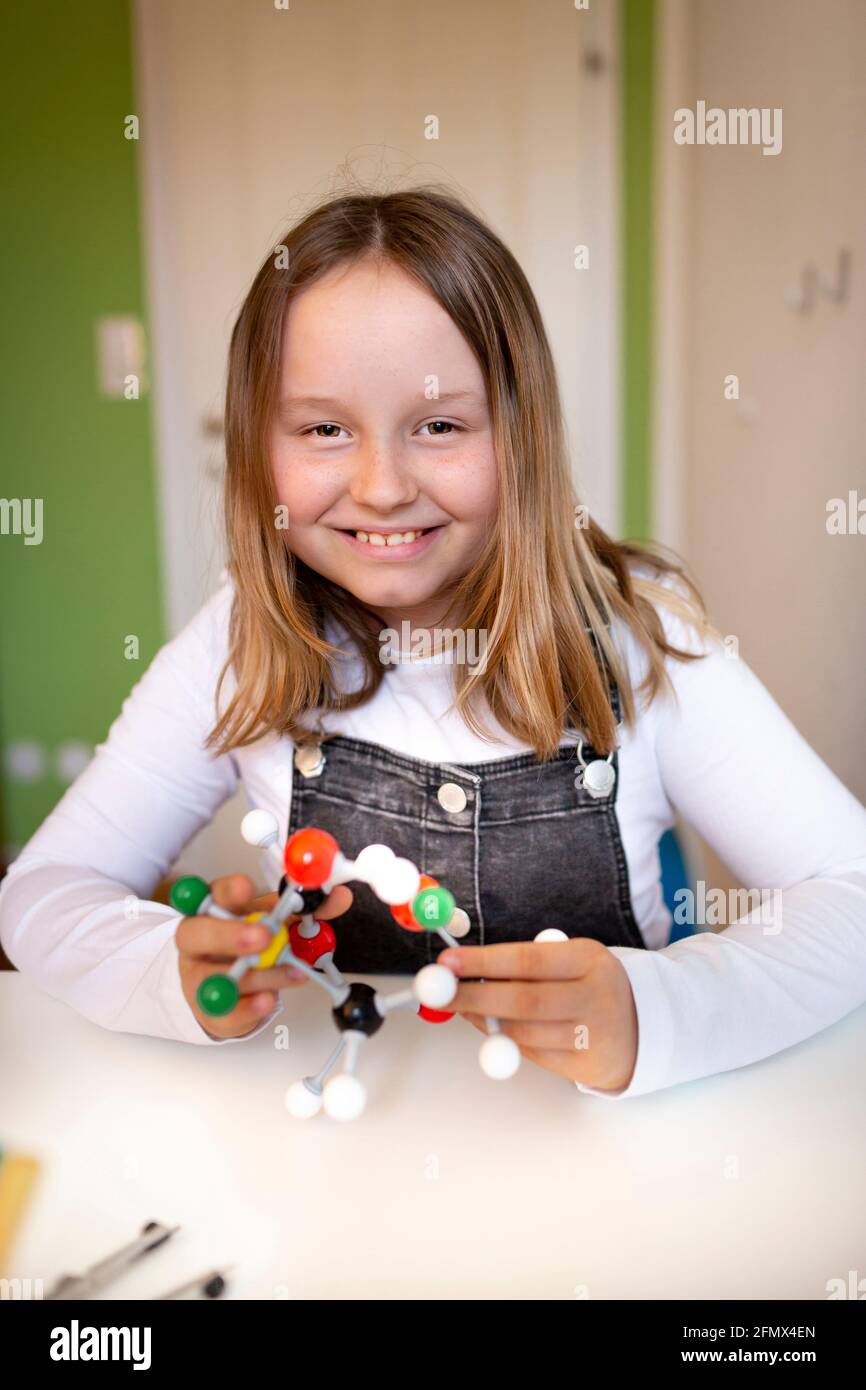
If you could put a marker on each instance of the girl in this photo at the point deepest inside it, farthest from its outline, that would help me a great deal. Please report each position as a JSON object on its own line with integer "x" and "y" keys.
{"x": 397, "y": 465}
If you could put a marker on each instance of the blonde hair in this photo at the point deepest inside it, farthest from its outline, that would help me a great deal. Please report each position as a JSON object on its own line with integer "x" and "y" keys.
{"x": 544, "y": 590}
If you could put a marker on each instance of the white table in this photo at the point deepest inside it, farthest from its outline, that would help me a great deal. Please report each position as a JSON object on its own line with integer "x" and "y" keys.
{"x": 751, "y": 1184}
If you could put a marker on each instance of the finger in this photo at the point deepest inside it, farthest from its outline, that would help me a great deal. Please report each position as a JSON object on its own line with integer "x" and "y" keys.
{"x": 248, "y": 1014}
{"x": 522, "y": 999}
{"x": 524, "y": 960}
{"x": 559, "y": 1036}
{"x": 338, "y": 901}
{"x": 264, "y": 903}
{"x": 276, "y": 977}
{"x": 575, "y": 1068}
{"x": 212, "y": 936}
{"x": 572, "y": 1067}
{"x": 233, "y": 891}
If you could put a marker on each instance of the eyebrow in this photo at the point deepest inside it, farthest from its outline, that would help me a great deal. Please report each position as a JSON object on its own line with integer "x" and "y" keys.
{"x": 467, "y": 395}
{"x": 307, "y": 402}
{"x": 323, "y": 402}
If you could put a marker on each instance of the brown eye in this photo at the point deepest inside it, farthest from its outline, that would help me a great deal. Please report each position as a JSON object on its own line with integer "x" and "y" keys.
{"x": 436, "y": 432}
{"x": 327, "y": 426}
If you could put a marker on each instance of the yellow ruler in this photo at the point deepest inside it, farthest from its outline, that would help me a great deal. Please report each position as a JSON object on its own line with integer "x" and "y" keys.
{"x": 18, "y": 1173}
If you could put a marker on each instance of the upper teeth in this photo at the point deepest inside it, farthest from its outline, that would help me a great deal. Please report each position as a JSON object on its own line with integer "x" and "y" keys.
{"x": 395, "y": 538}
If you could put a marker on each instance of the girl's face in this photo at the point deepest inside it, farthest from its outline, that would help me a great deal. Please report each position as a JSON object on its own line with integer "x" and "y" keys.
{"x": 382, "y": 428}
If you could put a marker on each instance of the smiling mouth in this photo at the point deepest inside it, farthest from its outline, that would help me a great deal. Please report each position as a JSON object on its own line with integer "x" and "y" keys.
{"x": 390, "y": 539}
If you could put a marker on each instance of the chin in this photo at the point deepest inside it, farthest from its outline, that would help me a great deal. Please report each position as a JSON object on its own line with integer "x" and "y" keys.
{"x": 389, "y": 595}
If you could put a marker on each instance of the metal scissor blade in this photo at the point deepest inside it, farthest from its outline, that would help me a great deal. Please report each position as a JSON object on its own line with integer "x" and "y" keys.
{"x": 104, "y": 1271}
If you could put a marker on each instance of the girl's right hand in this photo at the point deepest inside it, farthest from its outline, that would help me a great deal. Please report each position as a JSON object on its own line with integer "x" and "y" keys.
{"x": 207, "y": 943}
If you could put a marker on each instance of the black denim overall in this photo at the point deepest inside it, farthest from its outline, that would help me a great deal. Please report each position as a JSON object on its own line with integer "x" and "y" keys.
{"x": 529, "y": 850}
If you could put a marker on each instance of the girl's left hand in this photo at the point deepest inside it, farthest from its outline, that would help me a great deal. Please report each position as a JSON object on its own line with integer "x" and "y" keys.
{"x": 567, "y": 1004}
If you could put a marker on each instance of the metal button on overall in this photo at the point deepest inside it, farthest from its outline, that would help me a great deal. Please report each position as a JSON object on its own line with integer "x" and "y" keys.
{"x": 451, "y": 796}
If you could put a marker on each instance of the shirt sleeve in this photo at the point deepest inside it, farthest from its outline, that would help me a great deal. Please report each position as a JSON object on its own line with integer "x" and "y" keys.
{"x": 74, "y": 909}
{"x": 793, "y": 960}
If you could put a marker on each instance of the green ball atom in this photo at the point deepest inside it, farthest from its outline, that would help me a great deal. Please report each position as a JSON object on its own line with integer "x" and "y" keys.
{"x": 217, "y": 995}
{"x": 187, "y": 894}
{"x": 433, "y": 908}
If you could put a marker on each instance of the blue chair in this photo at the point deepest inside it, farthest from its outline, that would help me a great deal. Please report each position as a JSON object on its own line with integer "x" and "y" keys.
{"x": 675, "y": 876}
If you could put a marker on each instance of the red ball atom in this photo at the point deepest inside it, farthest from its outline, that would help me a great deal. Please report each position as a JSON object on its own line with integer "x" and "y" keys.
{"x": 309, "y": 857}
{"x": 312, "y": 948}
{"x": 433, "y": 1015}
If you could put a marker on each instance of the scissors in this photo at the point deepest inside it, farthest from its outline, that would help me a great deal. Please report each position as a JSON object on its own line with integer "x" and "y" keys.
{"x": 105, "y": 1271}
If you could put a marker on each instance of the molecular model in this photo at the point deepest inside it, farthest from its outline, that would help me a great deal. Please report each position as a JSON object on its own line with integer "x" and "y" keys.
{"x": 314, "y": 865}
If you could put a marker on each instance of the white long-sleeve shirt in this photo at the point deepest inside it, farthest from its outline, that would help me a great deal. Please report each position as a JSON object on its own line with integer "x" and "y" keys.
{"x": 74, "y": 909}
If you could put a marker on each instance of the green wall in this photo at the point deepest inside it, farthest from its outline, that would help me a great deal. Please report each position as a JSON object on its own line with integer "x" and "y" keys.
{"x": 70, "y": 254}
{"x": 637, "y": 19}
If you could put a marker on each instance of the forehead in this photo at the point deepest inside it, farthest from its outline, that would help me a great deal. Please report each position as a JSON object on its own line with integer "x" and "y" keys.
{"x": 370, "y": 320}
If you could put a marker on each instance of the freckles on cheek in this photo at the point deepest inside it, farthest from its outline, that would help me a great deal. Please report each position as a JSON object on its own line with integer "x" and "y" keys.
{"x": 305, "y": 491}
{"x": 473, "y": 488}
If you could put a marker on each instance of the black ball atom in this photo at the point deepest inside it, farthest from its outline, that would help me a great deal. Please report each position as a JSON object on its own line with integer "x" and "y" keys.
{"x": 358, "y": 1012}
{"x": 313, "y": 898}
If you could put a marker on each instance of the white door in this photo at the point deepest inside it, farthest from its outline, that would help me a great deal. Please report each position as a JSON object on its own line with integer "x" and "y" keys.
{"x": 250, "y": 113}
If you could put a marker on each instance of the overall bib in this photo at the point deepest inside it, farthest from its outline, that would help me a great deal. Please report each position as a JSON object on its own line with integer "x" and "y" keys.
{"x": 517, "y": 842}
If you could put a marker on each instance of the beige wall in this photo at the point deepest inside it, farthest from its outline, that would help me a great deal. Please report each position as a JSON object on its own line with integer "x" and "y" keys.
{"x": 744, "y": 485}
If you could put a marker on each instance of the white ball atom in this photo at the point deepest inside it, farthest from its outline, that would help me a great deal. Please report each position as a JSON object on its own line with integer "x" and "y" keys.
{"x": 551, "y": 934}
{"x": 499, "y": 1057}
{"x": 301, "y": 1102}
{"x": 435, "y": 986}
{"x": 345, "y": 1097}
{"x": 397, "y": 882}
{"x": 259, "y": 828}
{"x": 372, "y": 861}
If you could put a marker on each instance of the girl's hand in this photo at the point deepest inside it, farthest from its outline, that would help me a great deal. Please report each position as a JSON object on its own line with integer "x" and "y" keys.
{"x": 206, "y": 942}
{"x": 567, "y": 1004}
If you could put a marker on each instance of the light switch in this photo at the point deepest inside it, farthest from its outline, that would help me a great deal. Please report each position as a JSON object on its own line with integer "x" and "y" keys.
{"x": 120, "y": 356}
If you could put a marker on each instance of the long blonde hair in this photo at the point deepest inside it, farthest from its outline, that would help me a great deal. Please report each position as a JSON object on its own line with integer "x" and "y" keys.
{"x": 544, "y": 590}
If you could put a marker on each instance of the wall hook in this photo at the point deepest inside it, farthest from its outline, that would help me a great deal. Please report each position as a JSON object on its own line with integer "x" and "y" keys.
{"x": 839, "y": 289}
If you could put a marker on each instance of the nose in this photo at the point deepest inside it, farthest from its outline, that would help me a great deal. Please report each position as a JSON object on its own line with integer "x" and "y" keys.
{"x": 380, "y": 481}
